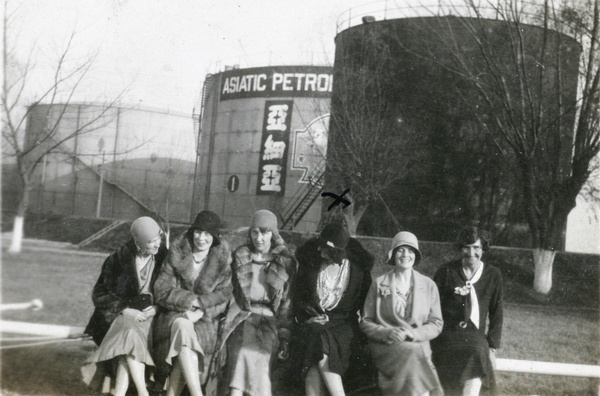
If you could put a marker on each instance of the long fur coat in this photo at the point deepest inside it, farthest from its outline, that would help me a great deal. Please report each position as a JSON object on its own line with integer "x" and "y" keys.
{"x": 175, "y": 290}
{"x": 116, "y": 287}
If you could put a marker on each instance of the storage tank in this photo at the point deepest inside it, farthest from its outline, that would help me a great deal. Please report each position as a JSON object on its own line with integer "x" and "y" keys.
{"x": 261, "y": 144}
{"x": 411, "y": 60}
{"x": 125, "y": 162}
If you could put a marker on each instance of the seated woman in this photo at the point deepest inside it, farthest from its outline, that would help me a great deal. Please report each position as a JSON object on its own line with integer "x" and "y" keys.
{"x": 401, "y": 314}
{"x": 192, "y": 289}
{"x": 258, "y": 325}
{"x": 122, "y": 320}
{"x": 333, "y": 279}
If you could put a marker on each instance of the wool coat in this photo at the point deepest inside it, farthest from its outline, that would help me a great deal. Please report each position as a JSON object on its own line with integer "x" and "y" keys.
{"x": 405, "y": 367}
{"x": 341, "y": 333}
{"x": 117, "y": 286}
{"x": 175, "y": 290}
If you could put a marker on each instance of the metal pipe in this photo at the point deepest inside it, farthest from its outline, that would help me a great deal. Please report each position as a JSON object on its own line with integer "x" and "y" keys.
{"x": 7, "y": 326}
{"x": 548, "y": 368}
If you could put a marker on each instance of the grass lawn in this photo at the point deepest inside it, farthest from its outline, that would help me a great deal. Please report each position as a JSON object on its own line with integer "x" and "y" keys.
{"x": 64, "y": 282}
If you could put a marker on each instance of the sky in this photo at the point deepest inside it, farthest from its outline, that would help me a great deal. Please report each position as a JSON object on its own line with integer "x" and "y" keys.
{"x": 162, "y": 50}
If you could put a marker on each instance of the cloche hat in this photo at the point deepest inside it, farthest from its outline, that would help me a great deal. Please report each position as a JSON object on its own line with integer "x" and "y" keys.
{"x": 405, "y": 238}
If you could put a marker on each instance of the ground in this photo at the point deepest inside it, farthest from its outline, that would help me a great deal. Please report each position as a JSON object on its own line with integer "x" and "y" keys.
{"x": 564, "y": 329}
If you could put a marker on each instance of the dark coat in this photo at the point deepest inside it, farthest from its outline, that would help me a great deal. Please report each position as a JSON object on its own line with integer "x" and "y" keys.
{"x": 489, "y": 291}
{"x": 306, "y": 298}
{"x": 341, "y": 331}
{"x": 116, "y": 287}
{"x": 175, "y": 290}
{"x": 462, "y": 353}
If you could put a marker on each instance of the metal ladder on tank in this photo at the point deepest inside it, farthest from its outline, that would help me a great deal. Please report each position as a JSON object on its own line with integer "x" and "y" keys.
{"x": 303, "y": 199}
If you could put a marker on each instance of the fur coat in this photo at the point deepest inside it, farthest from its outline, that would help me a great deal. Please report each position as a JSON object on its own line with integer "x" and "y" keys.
{"x": 175, "y": 290}
{"x": 281, "y": 273}
{"x": 117, "y": 286}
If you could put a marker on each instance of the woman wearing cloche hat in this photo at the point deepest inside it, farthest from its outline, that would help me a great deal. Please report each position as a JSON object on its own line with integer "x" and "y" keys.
{"x": 401, "y": 314}
{"x": 257, "y": 328}
{"x": 334, "y": 274}
{"x": 125, "y": 308}
{"x": 193, "y": 290}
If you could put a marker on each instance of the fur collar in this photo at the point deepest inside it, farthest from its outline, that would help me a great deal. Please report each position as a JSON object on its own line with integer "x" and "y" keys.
{"x": 181, "y": 259}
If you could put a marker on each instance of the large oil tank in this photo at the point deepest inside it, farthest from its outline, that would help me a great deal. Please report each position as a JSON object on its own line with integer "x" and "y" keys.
{"x": 410, "y": 62}
{"x": 261, "y": 144}
{"x": 125, "y": 162}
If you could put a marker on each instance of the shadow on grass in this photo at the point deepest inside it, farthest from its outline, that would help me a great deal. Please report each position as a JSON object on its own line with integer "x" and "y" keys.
{"x": 45, "y": 370}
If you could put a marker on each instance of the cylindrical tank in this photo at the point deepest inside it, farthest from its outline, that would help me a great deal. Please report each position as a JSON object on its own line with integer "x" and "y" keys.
{"x": 413, "y": 65}
{"x": 122, "y": 163}
{"x": 261, "y": 144}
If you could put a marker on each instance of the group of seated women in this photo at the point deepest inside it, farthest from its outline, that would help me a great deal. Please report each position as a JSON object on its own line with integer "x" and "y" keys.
{"x": 216, "y": 320}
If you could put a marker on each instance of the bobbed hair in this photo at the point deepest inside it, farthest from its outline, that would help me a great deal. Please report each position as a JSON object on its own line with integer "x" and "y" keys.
{"x": 392, "y": 261}
{"x": 276, "y": 239}
{"x": 470, "y": 234}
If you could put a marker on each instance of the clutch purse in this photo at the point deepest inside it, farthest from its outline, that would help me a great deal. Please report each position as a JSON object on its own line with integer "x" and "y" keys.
{"x": 140, "y": 302}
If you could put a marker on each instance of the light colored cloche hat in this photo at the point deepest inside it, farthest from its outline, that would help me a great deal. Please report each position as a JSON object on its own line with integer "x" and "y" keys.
{"x": 405, "y": 238}
{"x": 143, "y": 230}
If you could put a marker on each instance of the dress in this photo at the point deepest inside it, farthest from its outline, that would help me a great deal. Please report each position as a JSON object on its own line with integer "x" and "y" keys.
{"x": 339, "y": 338}
{"x": 461, "y": 352}
{"x": 176, "y": 287}
{"x": 119, "y": 286}
{"x": 258, "y": 319}
{"x": 404, "y": 368}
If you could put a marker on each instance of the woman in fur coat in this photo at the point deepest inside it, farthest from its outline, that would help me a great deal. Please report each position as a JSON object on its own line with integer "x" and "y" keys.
{"x": 334, "y": 275}
{"x": 258, "y": 324}
{"x": 193, "y": 289}
{"x": 122, "y": 321}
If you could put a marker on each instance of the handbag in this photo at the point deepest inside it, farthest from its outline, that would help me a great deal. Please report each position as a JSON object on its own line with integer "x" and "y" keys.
{"x": 140, "y": 302}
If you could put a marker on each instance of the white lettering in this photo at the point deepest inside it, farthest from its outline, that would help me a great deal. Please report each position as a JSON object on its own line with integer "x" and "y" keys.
{"x": 270, "y": 178}
{"x": 323, "y": 82}
{"x": 225, "y": 87}
{"x": 276, "y": 118}
{"x": 311, "y": 80}
{"x": 273, "y": 149}
{"x": 260, "y": 86}
{"x": 243, "y": 85}
{"x": 299, "y": 76}
{"x": 287, "y": 81}
{"x": 277, "y": 80}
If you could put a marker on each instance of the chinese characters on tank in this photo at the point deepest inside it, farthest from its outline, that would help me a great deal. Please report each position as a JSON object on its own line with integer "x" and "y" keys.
{"x": 272, "y": 164}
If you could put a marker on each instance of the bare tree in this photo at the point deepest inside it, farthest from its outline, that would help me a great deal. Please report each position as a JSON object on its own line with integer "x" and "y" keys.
{"x": 537, "y": 104}
{"x": 371, "y": 142}
{"x": 27, "y": 145}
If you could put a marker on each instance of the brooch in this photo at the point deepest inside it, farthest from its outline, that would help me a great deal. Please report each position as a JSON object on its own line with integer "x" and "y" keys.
{"x": 385, "y": 292}
{"x": 463, "y": 291}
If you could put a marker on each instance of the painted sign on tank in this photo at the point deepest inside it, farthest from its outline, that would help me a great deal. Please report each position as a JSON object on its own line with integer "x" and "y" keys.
{"x": 282, "y": 81}
{"x": 272, "y": 165}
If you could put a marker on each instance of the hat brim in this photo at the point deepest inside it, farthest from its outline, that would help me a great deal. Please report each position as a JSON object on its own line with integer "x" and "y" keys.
{"x": 418, "y": 255}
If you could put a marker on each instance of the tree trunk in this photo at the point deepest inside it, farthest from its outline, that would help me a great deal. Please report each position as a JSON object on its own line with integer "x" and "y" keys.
{"x": 353, "y": 217}
{"x": 543, "y": 259}
{"x": 17, "y": 234}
